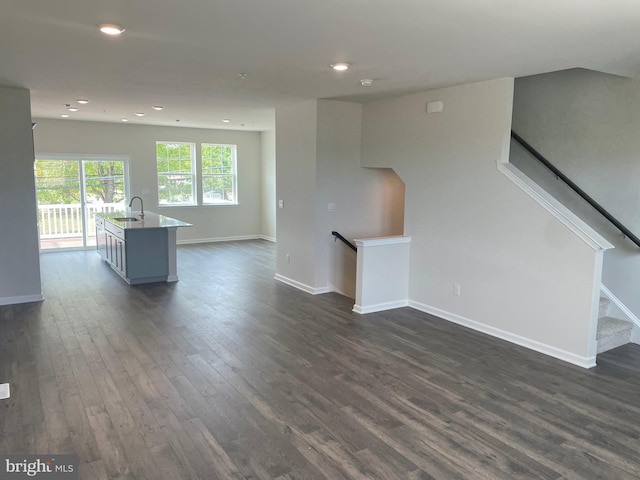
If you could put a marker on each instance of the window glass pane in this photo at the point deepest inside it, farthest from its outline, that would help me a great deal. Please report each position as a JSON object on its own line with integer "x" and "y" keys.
{"x": 211, "y": 190}
{"x": 185, "y": 151}
{"x": 164, "y": 192}
{"x": 227, "y": 185}
{"x": 185, "y": 166}
{"x": 176, "y": 176}
{"x": 161, "y": 150}
{"x": 65, "y": 215}
{"x": 57, "y": 182}
{"x": 218, "y": 189}
{"x": 183, "y": 191}
{"x": 172, "y": 152}
{"x": 219, "y": 174}
{"x": 104, "y": 181}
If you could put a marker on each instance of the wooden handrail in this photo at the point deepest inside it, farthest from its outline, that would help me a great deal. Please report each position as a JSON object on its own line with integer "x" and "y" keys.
{"x": 344, "y": 240}
{"x": 625, "y": 231}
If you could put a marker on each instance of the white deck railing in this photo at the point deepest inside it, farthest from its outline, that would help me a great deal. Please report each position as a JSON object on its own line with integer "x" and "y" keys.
{"x": 65, "y": 220}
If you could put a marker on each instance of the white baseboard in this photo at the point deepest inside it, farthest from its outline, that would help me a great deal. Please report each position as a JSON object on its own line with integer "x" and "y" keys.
{"x": 268, "y": 239}
{"x": 380, "y": 307}
{"x": 584, "y": 362}
{"x": 220, "y": 239}
{"x": 618, "y": 303}
{"x": 21, "y": 299}
{"x": 302, "y": 286}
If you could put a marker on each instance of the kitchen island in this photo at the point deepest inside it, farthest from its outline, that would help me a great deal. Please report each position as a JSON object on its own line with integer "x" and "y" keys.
{"x": 140, "y": 248}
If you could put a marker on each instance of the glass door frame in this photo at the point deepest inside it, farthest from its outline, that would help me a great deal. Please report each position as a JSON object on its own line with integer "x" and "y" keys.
{"x": 80, "y": 158}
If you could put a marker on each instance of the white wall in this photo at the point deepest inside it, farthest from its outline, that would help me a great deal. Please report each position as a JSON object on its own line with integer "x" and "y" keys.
{"x": 139, "y": 142}
{"x": 318, "y": 163}
{"x": 523, "y": 275}
{"x": 369, "y": 202}
{"x": 19, "y": 258}
{"x": 296, "y": 187}
{"x": 587, "y": 123}
{"x": 268, "y": 183}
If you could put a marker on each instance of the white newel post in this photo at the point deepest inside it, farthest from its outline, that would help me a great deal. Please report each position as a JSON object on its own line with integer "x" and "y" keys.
{"x": 382, "y": 277}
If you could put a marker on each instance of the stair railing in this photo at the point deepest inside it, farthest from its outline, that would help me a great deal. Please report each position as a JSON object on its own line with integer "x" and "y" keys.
{"x": 625, "y": 231}
{"x": 344, "y": 240}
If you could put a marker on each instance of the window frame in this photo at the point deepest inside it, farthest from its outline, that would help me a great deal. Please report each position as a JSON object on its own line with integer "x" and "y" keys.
{"x": 193, "y": 175}
{"x": 86, "y": 218}
{"x": 233, "y": 175}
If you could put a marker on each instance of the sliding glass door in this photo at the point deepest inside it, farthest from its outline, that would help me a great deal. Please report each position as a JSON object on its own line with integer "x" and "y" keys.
{"x": 71, "y": 190}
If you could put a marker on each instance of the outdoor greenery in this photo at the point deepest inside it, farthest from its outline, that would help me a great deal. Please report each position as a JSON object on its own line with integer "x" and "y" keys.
{"x": 218, "y": 173}
{"x": 58, "y": 181}
{"x": 176, "y": 173}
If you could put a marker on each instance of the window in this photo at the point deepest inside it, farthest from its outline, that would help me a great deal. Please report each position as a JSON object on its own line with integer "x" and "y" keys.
{"x": 71, "y": 189}
{"x": 219, "y": 179}
{"x": 176, "y": 173}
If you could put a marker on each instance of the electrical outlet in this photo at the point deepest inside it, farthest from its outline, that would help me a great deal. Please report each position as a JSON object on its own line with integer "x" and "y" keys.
{"x": 456, "y": 289}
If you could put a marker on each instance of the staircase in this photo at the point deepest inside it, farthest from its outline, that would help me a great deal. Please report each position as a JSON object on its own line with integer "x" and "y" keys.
{"x": 612, "y": 332}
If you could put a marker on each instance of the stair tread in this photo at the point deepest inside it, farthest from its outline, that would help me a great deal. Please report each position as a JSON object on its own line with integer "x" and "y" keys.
{"x": 610, "y": 325}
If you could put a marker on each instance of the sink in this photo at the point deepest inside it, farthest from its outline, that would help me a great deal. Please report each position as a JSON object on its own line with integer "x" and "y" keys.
{"x": 125, "y": 219}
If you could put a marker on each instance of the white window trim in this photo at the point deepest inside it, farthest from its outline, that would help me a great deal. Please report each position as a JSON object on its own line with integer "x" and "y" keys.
{"x": 194, "y": 174}
{"x": 234, "y": 175}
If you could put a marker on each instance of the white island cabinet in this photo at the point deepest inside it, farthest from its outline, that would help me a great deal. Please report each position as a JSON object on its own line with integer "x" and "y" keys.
{"x": 141, "y": 249}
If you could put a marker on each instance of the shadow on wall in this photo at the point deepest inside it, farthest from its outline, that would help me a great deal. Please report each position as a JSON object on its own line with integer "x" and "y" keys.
{"x": 384, "y": 206}
{"x": 394, "y": 196}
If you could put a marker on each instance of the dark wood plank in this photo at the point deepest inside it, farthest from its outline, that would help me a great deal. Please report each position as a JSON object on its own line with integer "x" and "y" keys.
{"x": 229, "y": 374}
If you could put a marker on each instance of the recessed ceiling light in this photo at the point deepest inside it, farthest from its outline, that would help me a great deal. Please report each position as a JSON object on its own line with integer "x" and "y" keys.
{"x": 340, "y": 67}
{"x": 111, "y": 29}
{"x": 64, "y": 115}
{"x": 139, "y": 114}
{"x": 72, "y": 109}
{"x": 124, "y": 119}
{"x": 82, "y": 102}
{"x": 158, "y": 107}
{"x": 226, "y": 120}
{"x": 366, "y": 82}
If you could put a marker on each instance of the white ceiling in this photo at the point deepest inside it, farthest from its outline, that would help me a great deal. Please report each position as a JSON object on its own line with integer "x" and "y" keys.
{"x": 186, "y": 55}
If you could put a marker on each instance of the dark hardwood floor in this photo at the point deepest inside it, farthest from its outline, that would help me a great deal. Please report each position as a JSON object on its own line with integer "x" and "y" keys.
{"x": 228, "y": 375}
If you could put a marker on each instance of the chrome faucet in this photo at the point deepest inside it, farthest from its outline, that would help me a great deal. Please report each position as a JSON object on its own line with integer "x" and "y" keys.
{"x": 141, "y": 205}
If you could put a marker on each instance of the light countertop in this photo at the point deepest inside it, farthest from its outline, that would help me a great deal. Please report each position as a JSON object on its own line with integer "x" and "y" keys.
{"x": 150, "y": 220}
